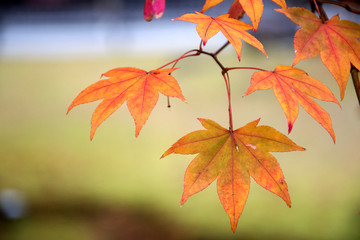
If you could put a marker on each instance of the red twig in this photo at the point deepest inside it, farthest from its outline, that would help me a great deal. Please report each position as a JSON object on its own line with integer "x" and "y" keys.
{"x": 316, "y": 7}
{"x": 249, "y": 68}
{"x": 320, "y": 10}
{"x": 224, "y": 72}
{"x": 228, "y": 90}
{"x": 185, "y": 55}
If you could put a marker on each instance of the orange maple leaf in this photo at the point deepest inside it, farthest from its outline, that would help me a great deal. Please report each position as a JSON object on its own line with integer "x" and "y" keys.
{"x": 281, "y": 3}
{"x": 335, "y": 40}
{"x": 232, "y": 157}
{"x": 138, "y": 87}
{"x": 209, "y": 4}
{"x": 254, "y": 9}
{"x": 233, "y": 29}
{"x": 292, "y": 86}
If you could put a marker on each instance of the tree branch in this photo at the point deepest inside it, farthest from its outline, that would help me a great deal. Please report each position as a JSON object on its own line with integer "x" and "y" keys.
{"x": 355, "y": 77}
{"x": 341, "y": 4}
{"x": 222, "y": 48}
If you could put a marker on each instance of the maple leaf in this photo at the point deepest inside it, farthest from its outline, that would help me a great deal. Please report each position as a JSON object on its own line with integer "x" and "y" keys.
{"x": 138, "y": 87}
{"x": 281, "y": 3}
{"x": 236, "y": 11}
{"x": 209, "y": 4}
{"x": 335, "y": 40}
{"x": 254, "y": 9}
{"x": 293, "y": 86}
{"x": 153, "y": 7}
{"x": 233, "y": 29}
{"x": 232, "y": 158}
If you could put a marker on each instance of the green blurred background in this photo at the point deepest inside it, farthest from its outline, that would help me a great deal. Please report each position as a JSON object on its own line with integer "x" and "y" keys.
{"x": 117, "y": 187}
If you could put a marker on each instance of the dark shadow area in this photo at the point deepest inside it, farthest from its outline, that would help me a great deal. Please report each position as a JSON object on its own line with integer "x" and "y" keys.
{"x": 98, "y": 222}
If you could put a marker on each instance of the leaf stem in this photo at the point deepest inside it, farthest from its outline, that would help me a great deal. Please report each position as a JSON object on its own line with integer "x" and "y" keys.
{"x": 316, "y": 7}
{"x": 185, "y": 55}
{"x": 249, "y": 68}
{"x": 224, "y": 72}
{"x": 319, "y": 9}
{"x": 228, "y": 90}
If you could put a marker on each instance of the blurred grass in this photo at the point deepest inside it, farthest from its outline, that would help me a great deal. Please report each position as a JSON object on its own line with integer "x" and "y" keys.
{"x": 48, "y": 156}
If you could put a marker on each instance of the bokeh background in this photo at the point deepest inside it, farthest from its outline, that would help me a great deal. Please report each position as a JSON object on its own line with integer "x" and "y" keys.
{"x": 57, "y": 184}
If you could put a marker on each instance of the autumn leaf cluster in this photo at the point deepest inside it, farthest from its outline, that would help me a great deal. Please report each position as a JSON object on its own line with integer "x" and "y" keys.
{"x": 231, "y": 156}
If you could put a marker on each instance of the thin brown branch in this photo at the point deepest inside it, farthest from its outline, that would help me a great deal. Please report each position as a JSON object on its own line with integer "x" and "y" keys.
{"x": 341, "y": 4}
{"x": 355, "y": 77}
{"x": 222, "y": 48}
